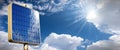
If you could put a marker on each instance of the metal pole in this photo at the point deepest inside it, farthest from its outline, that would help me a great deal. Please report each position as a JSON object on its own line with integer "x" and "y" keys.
{"x": 25, "y": 46}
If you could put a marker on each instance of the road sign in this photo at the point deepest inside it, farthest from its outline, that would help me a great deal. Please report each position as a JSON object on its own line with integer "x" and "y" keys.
{"x": 23, "y": 25}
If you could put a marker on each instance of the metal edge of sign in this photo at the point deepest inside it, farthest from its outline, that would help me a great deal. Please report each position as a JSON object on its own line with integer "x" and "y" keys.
{"x": 10, "y": 26}
{"x": 10, "y": 23}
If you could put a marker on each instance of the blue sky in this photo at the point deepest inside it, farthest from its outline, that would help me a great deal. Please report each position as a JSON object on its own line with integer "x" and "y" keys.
{"x": 74, "y": 24}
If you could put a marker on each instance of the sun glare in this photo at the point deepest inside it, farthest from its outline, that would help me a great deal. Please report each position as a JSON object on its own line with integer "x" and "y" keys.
{"x": 91, "y": 14}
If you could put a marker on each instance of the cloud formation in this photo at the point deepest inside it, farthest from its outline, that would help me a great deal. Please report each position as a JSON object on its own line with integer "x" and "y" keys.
{"x": 5, "y": 45}
{"x": 61, "y": 42}
{"x": 107, "y": 19}
{"x": 51, "y": 6}
{"x": 3, "y": 11}
{"x": 112, "y": 44}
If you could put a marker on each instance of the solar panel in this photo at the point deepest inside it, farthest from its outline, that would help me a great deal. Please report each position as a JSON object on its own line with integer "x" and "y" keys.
{"x": 23, "y": 25}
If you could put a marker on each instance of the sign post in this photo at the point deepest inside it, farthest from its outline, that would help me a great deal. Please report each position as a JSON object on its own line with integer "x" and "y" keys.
{"x": 23, "y": 25}
{"x": 25, "y": 46}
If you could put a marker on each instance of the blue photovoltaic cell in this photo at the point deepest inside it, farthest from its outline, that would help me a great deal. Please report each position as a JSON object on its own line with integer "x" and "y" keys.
{"x": 25, "y": 25}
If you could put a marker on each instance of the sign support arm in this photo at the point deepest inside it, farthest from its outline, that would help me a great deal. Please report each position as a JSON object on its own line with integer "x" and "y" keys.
{"x": 25, "y": 46}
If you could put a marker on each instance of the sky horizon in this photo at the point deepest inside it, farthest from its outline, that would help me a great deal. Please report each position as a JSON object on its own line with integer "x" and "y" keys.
{"x": 69, "y": 24}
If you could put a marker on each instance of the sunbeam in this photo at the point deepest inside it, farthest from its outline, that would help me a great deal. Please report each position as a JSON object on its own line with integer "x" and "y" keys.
{"x": 87, "y": 12}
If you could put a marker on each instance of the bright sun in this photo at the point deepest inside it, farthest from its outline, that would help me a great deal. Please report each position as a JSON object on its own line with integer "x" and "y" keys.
{"x": 91, "y": 14}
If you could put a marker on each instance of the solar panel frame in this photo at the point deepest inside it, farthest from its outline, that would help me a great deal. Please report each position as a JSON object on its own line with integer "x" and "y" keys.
{"x": 14, "y": 20}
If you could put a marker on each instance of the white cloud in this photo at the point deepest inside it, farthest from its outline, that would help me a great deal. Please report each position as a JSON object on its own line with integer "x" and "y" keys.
{"x": 49, "y": 6}
{"x": 115, "y": 38}
{"x": 5, "y": 45}
{"x": 61, "y": 42}
{"x": 3, "y": 11}
{"x": 56, "y": 7}
{"x": 112, "y": 44}
{"x": 52, "y": 6}
{"x": 107, "y": 19}
{"x": 47, "y": 47}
